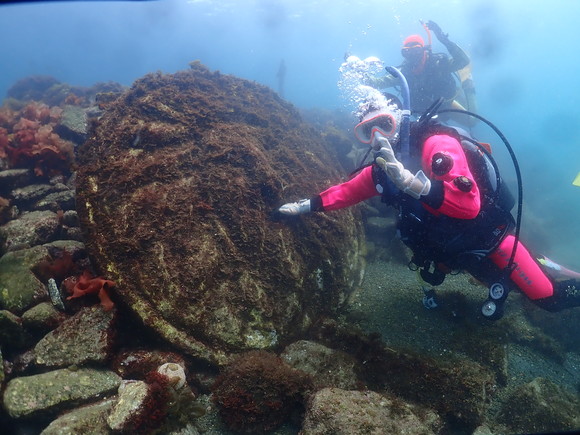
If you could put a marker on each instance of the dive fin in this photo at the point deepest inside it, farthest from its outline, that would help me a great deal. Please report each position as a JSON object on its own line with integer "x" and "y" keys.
{"x": 556, "y": 270}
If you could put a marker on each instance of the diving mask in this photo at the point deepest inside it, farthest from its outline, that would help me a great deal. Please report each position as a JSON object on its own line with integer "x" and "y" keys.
{"x": 376, "y": 122}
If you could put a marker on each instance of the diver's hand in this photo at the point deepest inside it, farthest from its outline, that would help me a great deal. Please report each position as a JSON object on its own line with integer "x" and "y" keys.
{"x": 295, "y": 208}
{"x": 414, "y": 185}
{"x": 434, "y": 27}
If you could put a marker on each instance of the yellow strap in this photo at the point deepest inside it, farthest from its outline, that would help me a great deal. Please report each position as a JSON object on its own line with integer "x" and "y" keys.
{"x": 465, "y": 72}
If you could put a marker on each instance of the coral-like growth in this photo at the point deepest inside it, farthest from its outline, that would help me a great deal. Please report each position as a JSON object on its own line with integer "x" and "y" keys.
{"x": 87, "y": 285}
{"x": 258, "y": 392}
{"x": 28, "y": 140}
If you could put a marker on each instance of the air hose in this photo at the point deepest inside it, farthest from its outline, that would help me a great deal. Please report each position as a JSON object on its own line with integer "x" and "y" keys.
{"x": 405, "y": 131}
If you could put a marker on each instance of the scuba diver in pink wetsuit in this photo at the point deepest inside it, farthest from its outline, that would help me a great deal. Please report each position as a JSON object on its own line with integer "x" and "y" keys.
{"x": 454, "y": 211}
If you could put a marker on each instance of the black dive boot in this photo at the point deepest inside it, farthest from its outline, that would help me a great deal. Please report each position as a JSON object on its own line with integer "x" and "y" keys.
{"x": 566, "y": 295}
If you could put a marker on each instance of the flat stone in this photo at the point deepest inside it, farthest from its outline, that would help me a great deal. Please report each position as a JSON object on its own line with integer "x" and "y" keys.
{"x": 56, "y": 391}
{"x": 32, "y": 192}
{"x": 129, "y": 406}
{"x": 86, "y": 337}
{"x": 20, "y": 289}
{"x": 62, "y": 200}
{"x": 42, "y": 317}
{"x": 89, "y": 419}
{"x": 540, "y": 406}
{"x": 30, "y": 229}
{"x": 73, "y": 125}
{"x": 336, "y": 411}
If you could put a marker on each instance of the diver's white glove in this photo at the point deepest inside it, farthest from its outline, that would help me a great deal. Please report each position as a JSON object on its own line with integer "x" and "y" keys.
{"x": 415, "y": 185}
{"x": 296, "y": 208}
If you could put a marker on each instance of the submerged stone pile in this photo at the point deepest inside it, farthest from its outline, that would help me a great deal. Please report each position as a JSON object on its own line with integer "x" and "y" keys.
{"x": 58, "y": 355}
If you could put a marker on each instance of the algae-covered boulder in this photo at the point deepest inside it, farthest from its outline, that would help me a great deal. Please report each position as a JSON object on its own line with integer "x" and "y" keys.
{"x": 176, "y": 185}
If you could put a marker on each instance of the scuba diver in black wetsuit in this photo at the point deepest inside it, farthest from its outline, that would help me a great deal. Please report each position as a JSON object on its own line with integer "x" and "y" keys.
{"x": 433, "y": 75}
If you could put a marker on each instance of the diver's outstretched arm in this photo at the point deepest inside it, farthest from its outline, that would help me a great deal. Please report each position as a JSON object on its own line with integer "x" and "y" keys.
{"x": 459, "y": 59}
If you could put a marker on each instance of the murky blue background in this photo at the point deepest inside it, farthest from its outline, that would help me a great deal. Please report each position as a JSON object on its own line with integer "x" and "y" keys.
{"x": 524, "y": 55}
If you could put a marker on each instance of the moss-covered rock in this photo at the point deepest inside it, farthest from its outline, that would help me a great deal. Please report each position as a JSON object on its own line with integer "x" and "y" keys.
{"x": 49, "y": 393}
{"x": 86, "y": 337}
{"x": 12, "y": 333}
{"x": 176, "y": 186}
{"x": 19, "y": 287}
{"x": 340, "y": 412}
{"x": 87, "y": 419}
{"x": 540, "y": 406}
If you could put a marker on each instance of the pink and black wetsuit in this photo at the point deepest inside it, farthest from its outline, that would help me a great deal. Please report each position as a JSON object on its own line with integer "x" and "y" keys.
{"x": 454, "y": 194}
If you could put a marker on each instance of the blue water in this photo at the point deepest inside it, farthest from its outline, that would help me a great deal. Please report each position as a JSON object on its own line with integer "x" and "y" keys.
{"x": 524, "y": 57}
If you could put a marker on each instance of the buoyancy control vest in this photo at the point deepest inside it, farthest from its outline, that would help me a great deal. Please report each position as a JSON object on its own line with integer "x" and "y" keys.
{"x": 435, "y": 81}
{"x": 451, "y": 243}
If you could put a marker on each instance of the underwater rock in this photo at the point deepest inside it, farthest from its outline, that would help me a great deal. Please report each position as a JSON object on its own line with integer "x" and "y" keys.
{"x": 341, "y": 412}
{"x": 156, "y": 405}
{"x": 12, "y": 333}
{"x": 73, "y": 125}
{"x": 31, "y": 229}
{"x": 540, "y": 406}
{"x": 70, "y": 218}
{"x": 13, "y": 178}
{"x": 328, "y": 367}
{"x": 31, "y": 87}
{"x": 49, "y": 393}
{"x": 32, "y": 192}
{"x": 175, "y": 188}
{"x": 457, "y": 388}
{"x": 86, "y": 337}
{"x": 62, "y": 200}
{"x": 130, "y": 406}
{"x": 20, "y": 288}
{"x": 86, "y": 419}
{"x": 42, "y": 318}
